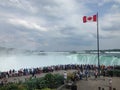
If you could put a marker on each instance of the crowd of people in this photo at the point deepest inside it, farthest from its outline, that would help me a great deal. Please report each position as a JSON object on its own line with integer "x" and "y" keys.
{"x": 33, "y": 71}
{"x": 82, "y": 71}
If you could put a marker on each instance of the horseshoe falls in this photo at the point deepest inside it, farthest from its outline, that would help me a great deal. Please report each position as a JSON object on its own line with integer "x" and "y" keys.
{"x": 93, "y": 59}
{"x": 18, "y": 61}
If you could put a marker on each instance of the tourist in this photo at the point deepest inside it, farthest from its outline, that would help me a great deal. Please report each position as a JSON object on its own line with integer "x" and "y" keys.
{"x": 110, "y": 82}
{"x": 65, "y": 76}
{"x": 86, "y": 74}
{"x": 96, "y": 74}
{"x": 81, "y": 74}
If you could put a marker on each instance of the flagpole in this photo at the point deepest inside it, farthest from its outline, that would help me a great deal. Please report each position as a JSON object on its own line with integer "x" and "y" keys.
{"x": 98, "y": 46}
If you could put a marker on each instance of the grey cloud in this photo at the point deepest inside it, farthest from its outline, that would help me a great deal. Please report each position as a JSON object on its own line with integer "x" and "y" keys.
{"x": 60, "y": 18}
{"x": 111, "y": 23}
{"x": 113, "y": 27}
{"x": 68, "y": 30}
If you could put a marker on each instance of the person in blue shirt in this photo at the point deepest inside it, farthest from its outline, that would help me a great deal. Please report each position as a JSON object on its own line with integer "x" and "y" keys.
{"x": 86, "y": 74}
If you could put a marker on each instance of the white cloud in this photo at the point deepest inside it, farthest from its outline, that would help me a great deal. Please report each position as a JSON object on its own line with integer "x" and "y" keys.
{"x": 111, "y": 21}
{"x": 27, "y": 24}
{"x": 20, "y": 4}
{"x": 102, "y": 2}
{"x": 115, "y": 8}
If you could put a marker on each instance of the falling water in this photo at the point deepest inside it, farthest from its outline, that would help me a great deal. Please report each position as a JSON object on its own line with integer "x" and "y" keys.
{"x": 55, "y": 58}
{"x": 93, "y": 59}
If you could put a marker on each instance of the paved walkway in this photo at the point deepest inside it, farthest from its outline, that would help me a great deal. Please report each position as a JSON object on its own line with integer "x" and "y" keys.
{"x": 92, "y": 84}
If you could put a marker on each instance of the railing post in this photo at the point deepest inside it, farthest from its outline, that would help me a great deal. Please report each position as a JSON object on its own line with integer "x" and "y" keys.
{"x": 114, "y": 88}
{"x": 110, "y": 88}
{"x": 103, "y": 89}
{"x": 99, "y": 88}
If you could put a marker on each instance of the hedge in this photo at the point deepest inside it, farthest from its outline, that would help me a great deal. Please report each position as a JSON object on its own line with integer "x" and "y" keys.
{"x": 48, "y": 82}
{"x": 114, "y": 73}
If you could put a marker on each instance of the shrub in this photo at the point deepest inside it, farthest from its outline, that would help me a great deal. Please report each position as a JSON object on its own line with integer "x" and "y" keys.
{"x": 70, "y": 76}
{"x": 22, "y": 87}
{"x": 50, "y": 80}
{"x": 13, "y": 87}
{"x": 31, "y": 84}
{"x": 46, "y": 89}
{"x": 114, "y": 73}
{"x": 43, "y": 83}
{"x": 53, "y": 81}
{"x": 59, "y": 80}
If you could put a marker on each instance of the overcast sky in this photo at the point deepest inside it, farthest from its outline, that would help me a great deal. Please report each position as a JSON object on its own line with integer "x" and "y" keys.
{"x": 56, "y": 25}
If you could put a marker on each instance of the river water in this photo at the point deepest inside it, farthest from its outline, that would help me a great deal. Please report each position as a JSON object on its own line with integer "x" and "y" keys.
{"x": 16, "y": 62}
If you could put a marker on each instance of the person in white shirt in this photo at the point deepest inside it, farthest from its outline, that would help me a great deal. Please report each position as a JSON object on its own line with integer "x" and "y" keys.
{"x": 65, "y": 76}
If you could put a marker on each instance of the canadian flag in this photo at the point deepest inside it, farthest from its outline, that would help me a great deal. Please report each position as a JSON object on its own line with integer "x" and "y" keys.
{"x": 89, "y": 18}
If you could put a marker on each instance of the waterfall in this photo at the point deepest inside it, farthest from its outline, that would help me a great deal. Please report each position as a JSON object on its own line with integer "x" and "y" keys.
{"x": 55, "y": 58}
{"x": 92, "y": 59}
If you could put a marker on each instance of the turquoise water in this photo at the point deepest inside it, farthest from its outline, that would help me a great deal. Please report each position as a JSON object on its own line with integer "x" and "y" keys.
{"x": 8, "y": 62}
{"x": 92, "y": 59}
